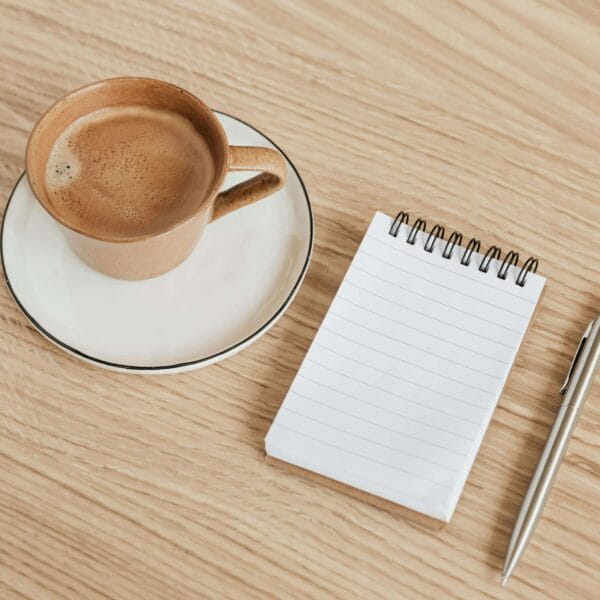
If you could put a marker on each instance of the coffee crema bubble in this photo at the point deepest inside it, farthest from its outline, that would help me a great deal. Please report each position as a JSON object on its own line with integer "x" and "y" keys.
{"x": 127, "y": 171}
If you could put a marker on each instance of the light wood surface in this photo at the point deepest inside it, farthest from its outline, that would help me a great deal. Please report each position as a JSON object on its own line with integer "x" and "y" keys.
{"x": 482, "y": 116}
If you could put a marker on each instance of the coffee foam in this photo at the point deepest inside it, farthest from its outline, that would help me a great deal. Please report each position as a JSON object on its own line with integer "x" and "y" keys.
{"x": 62, "y": 164}
{"x": 128, "y": 170}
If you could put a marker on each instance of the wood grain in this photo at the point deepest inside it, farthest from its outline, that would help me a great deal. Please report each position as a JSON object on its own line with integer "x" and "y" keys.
{"x": 482, "y": 116}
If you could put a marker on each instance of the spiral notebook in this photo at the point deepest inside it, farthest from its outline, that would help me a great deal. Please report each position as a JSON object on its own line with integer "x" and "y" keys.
{"x": 393, "y": 399}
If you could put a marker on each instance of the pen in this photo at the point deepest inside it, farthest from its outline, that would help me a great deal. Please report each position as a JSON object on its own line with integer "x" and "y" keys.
{"x": 575, "y": 389}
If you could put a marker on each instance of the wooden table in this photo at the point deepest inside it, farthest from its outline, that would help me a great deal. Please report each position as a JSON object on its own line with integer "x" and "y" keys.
{"x": 481, "y": 116}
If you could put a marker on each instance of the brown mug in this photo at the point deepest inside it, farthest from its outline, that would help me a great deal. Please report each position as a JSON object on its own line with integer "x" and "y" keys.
{"x": 148, "y": 255}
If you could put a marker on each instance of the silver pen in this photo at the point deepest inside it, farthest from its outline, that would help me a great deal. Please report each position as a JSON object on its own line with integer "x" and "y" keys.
{"x": 575, "y": 389}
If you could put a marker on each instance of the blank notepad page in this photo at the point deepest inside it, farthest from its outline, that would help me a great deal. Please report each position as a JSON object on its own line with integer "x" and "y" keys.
{"x": 401, "y": 380}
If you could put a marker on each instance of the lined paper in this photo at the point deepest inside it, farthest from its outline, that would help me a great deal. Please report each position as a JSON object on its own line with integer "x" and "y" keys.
{"x": 400, "y": 383}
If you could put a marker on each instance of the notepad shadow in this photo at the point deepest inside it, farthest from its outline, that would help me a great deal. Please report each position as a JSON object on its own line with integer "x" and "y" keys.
{"x": 523, "y": 466}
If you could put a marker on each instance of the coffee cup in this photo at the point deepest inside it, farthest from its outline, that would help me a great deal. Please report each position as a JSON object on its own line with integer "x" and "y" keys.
{"x": 132, "y": 168}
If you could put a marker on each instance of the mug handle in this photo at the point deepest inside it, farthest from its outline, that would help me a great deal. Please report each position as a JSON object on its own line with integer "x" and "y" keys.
{"x": 250, "y": 158}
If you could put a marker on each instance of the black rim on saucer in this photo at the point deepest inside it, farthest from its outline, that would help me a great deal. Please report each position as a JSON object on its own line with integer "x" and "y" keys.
{"x": 189, "y": 363}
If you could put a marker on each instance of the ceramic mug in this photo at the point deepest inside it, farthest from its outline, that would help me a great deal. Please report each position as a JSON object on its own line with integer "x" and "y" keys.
{"x": 144, "y": 256}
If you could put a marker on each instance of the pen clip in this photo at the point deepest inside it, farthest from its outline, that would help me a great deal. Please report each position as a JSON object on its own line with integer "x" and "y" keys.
{"x": 582, "y": 341}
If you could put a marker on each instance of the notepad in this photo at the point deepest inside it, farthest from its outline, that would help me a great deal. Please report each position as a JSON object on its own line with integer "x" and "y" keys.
{"x": 399, "y": 385}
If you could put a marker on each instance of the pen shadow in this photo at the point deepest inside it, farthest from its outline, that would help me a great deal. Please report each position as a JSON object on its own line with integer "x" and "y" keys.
{"x": 530, "y": 439}
{"x": 509, "y": 502}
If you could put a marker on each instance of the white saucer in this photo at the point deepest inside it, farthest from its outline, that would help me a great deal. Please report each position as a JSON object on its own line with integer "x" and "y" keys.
{"x": 240, "y": 279}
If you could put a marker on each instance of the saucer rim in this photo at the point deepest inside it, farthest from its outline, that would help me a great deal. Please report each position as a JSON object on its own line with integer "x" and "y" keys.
{"x": 184, "y": 365}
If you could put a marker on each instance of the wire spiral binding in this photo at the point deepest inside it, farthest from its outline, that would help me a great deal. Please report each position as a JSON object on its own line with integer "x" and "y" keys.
{"x": 455, "y": 240}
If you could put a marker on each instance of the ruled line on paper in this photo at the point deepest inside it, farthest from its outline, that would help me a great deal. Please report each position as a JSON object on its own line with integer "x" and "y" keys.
{"x": 359, "y": 477}
{"x": 429, "y": 296}
{"x": 429, "y": 316}
{"x": 399, "y": 341}
{"x": 480, "y": 281}
{"x": 431, "y": 335}
{"x": 339, "y": 410}
{"x": 418, "y": 385}
{"x": 410, "y": 400}
{"x": 412, "y": 364}
{"x": 386, "y": 409}
{"x": 351, "y": 452}
{"x": 370, "y": 441}
{"x": 433, "y": 300}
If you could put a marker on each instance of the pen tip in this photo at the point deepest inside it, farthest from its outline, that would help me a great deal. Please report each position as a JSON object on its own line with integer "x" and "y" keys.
{"x": 504, "y": 579}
